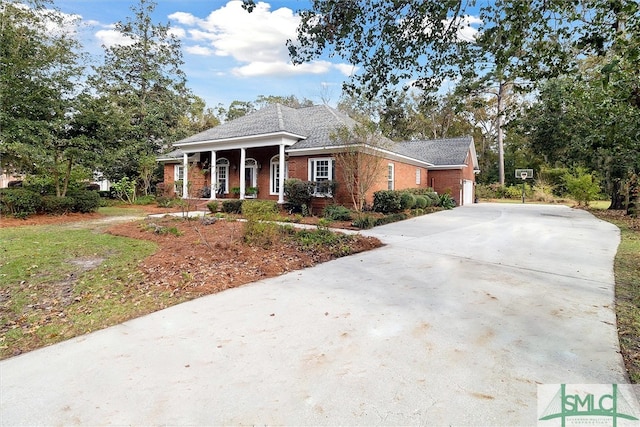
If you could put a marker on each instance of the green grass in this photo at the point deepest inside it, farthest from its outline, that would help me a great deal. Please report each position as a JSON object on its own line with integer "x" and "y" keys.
{"x": 627, "y": 277}
{"x": 44, "y": 298}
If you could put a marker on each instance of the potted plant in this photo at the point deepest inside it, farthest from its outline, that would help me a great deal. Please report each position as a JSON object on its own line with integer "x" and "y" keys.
{"x": 251, "y": 192}
{"x": 235, "y": 191}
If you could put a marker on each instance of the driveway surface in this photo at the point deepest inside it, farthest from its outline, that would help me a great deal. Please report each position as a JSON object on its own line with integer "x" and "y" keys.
{"x": 454, "y": 322}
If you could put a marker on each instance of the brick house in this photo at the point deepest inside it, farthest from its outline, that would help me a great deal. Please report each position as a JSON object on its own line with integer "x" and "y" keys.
{"x": 248, "y": 154}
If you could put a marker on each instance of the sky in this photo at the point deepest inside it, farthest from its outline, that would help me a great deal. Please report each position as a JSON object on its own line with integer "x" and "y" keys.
{"x": 229, "y": 54}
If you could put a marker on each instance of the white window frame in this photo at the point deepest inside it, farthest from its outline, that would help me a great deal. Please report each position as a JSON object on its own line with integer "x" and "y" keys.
{"x": 313, "y": 173}
{"x": 274, "y": 174}
{"x": 222, "y": 164}
{"x": 418, "y": 176}
{"x": 391, "y": 175}
{"x": 178, "y": 178}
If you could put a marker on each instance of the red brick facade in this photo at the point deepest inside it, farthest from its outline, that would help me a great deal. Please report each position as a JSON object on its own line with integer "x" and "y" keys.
{"x": 404, "y": 175}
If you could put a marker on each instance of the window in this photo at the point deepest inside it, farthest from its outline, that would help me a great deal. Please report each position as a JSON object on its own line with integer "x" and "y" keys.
{"x": 417, "y": 176}
{"x": 179, "y": 173}
{"x": 222, "y": 176}
{"x": 390, "y": 176}
{"x": 274, "y": 179}
{"x": 178, "y": 178}
{"x": 321, "y": 172}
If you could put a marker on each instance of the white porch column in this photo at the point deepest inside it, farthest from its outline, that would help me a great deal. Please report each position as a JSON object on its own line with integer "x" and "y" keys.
{"x": 212, "y": 170}
{"x": 185, "y": 178}
{"x": 243, "y": 159}
{"x": 282, "y": 174}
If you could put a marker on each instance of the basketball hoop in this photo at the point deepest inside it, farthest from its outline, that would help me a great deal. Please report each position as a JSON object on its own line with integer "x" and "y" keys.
{"x": 524, "y": 175}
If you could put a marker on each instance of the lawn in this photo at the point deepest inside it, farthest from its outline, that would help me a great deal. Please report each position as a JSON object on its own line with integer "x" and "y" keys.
{"x": 63, "y": 280}
{"x": 627, "y": 276}
{"x": 59, "y": 282}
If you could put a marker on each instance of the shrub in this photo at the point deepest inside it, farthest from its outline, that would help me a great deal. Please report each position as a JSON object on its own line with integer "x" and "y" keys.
{"x": 421, "y": 202}
{"x": 263, "y": 210}
{"x": 387, "y": 201}
{"x": 407, "y": 200}
{"x": 261, "y": 233}
{"x": 364, "y": 222}
{"x": 446, "y": 201}
{"x": 387, "y": 219}
{"x": 85, "y": 201}
{"x": 432, "y": 198}
{"x": 164, "y": 201}
{"x": 419, "y": 191}
{"x": 19, "y": 202}
{"x": 54, "y": 205}
{"x": 298, "y": 194}
{"x": 145, "y": 200}
{"x": 213, "y": 207}
{"x": 583, "y": 186}
{"x": 232, "y": 206}
{"x": 337, "y": 213}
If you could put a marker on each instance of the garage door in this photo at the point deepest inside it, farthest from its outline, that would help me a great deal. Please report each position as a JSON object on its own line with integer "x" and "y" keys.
{"x": 467, "y": 192}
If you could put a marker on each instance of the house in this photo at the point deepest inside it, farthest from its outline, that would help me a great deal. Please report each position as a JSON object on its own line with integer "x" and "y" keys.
{"x": 258, "y": 150}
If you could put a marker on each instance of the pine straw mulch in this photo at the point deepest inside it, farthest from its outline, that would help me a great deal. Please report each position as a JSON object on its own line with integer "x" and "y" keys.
{"x": 196, "y": 259}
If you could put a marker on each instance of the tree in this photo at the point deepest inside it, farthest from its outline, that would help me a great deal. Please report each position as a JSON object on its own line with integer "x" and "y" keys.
{"x": 358, "y": 160}
{"x": 141, "y": 82}
{"x": 40, "y": 66}
{"x": 289, "y": 101}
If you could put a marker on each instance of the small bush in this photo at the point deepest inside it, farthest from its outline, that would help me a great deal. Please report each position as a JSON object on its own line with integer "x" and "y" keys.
{"x": 421, "y": 202}
{"x": 263, "y": 210}
{"x": 387, "y": 201}
{"x": 583, "y": 186}
{"x": 417, "y": 212}
{"x": 261, "y": 233}
{"x": 387, "y": 219}
{"x": 164, "y": 201}
{"x": 364, "y": 222}
{"x": 446, "y": 201}
{"x": 337, "y": 213}
{"x": 432, "y": 198}
{"x": 298, "y": 194}
{"x": 232, "y": 206}
{"x": 407, "y": 200}
{"x": 19, "y": 202}
{"x": 145, "y": 200}
{"x": 213, "y": 207}
{"x": 53, "y": 205}
{"x": 419, "y": 191}
{"x": 85, "y": 201}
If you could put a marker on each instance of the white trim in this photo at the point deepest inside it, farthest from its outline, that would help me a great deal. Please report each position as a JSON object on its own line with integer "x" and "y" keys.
{"x": 391, "y": 176}
{"x": 275, "y": 162}
{"x": 418, "y": 176}
{"x": 249, "y": 141}
{"x": 312, "y": 171}
{"x": 223, "y": 163}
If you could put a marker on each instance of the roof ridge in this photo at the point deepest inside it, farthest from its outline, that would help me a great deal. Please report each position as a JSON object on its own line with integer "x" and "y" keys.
{"x": 280, "y": 117}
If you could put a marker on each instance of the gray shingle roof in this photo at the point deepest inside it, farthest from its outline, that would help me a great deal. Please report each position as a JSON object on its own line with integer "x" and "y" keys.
{"x": 315, "y": 126}
{"x": 449, "y": 151}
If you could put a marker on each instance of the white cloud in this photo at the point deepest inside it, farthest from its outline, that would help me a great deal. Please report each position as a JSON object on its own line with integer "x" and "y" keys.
{"x": 256, "y": 40}
{"x": 177, "y": 32}
{"x": 346, "y": 69}
{"x": 111, "y": 37}
{"x": 281, "y": 68}
{"x": 199, "y": 50}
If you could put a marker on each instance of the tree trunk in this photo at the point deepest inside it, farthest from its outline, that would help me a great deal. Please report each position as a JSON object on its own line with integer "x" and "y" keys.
{"x": 617, "y": 198}
{"x": 632, "y": 202}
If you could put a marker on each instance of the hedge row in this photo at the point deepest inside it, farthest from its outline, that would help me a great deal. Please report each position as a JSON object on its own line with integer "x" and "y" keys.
{"x": 21, "y": 202}
{"x": 394, "y": 201}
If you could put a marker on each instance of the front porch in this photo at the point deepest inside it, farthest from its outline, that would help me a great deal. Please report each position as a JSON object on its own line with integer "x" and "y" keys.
{"x": 243, "y": 173}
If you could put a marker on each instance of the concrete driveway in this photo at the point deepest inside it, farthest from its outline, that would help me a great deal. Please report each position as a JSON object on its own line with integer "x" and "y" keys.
{"x": 454, "y": 322}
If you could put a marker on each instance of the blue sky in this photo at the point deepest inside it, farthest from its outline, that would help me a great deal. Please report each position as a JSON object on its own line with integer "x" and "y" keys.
{"x": 229, "y": 54}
